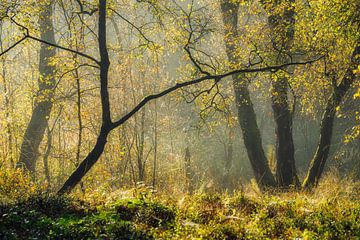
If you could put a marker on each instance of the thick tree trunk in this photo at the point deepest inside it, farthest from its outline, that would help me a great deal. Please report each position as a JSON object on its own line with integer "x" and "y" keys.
{"x": 39, "y": 119}
{"x": 251, "y": 134}
{"x": 285, "y": 165}
{"x": 281, "y": 22}
{"x": 317, "y": 164}
{"x": 246, "y": 113}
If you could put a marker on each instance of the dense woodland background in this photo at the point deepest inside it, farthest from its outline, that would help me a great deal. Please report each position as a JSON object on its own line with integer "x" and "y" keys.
{"x": 202, "y": 136}
{"x": 243, "y": 116}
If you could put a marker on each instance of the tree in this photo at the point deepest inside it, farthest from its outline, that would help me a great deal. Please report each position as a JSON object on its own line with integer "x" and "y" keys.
{"x": 281, "y": 22}
{"x": 317, "y": 164}
{"x": 44, "y": 101}
{"x": 246, "y": 113}
{"x": 107, "y": 124}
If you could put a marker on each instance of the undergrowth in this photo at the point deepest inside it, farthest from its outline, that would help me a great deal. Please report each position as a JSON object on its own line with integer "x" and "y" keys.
{"x": 332, "y": 211}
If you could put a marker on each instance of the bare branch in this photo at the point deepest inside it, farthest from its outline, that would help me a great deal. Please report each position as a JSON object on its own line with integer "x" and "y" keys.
{"x": 133, "y": 25}
{"x": 202, "y": 79}
{"x": 27, "y": 35}
{"x": 14, "y": 45}
{"x": 83, "y": 11}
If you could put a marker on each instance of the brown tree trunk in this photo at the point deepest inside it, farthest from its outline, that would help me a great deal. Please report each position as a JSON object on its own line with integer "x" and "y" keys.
{"x": 317, "y": 164}
{"x": 39, "y": 119}
{"x": 246, "y": 113}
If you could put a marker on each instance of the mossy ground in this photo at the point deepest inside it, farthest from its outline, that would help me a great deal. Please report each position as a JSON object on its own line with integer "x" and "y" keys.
{"x": 330, "y": 214}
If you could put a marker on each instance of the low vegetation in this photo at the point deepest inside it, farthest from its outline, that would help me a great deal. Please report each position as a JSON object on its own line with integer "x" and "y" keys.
{"x": 330, "y": 212}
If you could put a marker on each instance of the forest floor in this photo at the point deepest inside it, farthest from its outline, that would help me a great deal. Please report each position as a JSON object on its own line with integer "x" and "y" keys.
{"x": 330, "y": 212}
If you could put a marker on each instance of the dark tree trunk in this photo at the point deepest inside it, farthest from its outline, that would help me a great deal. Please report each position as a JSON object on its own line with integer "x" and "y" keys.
{"x": 140, "y": 148}
{"x": 285, "y": 165}
{"x": 87, "y": 163}
{"x": 39, "y": 119}
{"x": 246, "y": 113}
{"x": 281, "y": 22}
{"x": 106, "y": 127}
{"x": 317, "y": 164}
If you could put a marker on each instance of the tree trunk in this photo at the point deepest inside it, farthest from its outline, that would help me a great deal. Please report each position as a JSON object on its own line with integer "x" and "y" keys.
{"x": 46, "y": 156}
{"x": 282, "y": 33}
{"x": 285, "y": 165}
{"x": 317, "y": 164}
{"x": 189, "y": 174}
{"x": 36, "y": 128}
{"x": 87, "y": 163}
{"x": 246, "y": 113}
{"x": 228, "y": 161}
{"x": 106, "y": 126}
{"x": 140, "y": 148}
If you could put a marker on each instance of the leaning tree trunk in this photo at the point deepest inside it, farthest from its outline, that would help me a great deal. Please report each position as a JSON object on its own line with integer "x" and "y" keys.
{"x": 246, "y": 113}
{"x": 281, "y": 24}
{"x": 106, "y": 126}
{"x": 43, "y": 103}
{"x": 317, "y": 164}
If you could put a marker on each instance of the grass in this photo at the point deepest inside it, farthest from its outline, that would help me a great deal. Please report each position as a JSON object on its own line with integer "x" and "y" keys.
{"x": 332, "y": 211}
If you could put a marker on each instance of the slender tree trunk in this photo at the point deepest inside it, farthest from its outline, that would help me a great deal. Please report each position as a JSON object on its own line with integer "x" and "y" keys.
{"x": 106, "y": 126}
{"x": 226, "y": 180}
{"x": 46, "y": 156}
{"x": 317, "y": 164}
{"x": 246, "y": 113}
{"x": 140, "y": 148}
{"x": 188, "y": 171}
{"x": 155, "y": 143}
{"x": 87, "y": 163}
{"x": 39, "y": 119}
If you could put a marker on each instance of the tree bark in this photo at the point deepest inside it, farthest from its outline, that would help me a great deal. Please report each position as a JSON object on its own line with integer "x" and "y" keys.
{"x": 246, "y": 113}
{"x": 317, "y": 164}
{"x": 106, "y": 126}
{"x": 281, "y": 24}
{"x": 285, "y": 164}
{"x": 43, "y": 104}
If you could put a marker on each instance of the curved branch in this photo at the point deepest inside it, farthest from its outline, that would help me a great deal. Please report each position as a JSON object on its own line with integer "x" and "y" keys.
{"x": 202, "y": 79}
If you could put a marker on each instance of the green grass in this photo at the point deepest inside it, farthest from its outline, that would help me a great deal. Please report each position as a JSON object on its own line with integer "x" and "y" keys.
{"x": 322, "y": 215}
